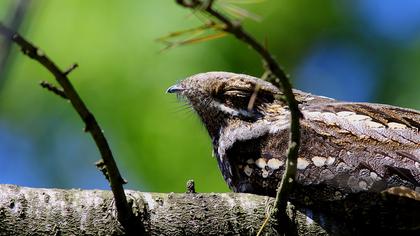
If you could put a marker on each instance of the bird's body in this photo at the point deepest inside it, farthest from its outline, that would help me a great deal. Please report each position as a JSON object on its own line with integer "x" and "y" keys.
{"x": 345, "y": 147}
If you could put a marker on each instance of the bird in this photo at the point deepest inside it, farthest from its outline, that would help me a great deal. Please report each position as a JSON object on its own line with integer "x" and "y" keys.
{"x": 346, "y": 147}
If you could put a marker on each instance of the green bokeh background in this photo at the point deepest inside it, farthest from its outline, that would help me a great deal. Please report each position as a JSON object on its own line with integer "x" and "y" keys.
{"x": 123, "y": 76}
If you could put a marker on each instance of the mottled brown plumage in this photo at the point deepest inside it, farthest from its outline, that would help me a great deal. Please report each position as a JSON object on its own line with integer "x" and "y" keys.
{"x": 346, "y": 147}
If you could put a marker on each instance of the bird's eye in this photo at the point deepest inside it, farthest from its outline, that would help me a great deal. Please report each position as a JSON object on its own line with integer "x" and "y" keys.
{"x": 237, "y": 93}
{"x": 242, "y": 102}
{"x": 261, "y": 96}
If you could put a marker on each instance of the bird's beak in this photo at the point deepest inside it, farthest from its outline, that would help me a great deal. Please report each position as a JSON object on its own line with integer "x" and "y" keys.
{"x": 175, "y": 89}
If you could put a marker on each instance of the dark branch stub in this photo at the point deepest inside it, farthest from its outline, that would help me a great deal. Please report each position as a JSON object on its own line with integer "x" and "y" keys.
{"x": 191, "y": 186}
{"x": 101, "y": 167}
{"x": 71, "y": 68}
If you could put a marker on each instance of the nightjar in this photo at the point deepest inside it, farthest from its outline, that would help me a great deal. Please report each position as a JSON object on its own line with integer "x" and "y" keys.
{"x": 345, "y": 147}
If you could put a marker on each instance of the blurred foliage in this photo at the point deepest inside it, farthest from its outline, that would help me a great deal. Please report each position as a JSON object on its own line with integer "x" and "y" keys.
{"x": 159, "y": 143}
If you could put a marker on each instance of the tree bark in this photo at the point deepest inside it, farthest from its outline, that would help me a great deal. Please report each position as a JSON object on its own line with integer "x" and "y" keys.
{"x": 38, "y": 211}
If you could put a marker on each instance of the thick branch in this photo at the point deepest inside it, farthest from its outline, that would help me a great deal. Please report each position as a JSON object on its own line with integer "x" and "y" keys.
{"x": 25, "y": 211}
{"x": 92, "y": 126}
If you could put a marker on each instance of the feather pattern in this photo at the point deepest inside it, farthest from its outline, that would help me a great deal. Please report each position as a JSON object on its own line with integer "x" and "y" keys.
{"x": 346, "y": 147}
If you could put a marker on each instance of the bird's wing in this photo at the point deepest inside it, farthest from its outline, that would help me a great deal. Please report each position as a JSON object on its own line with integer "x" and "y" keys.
{"x": 381, "y": 139}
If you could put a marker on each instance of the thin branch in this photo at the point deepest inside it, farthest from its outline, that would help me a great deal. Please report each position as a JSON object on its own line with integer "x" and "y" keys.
{"x": 71, "y": 68}
{"x": 125, "y": 215}
{"x": 52, "y": 88}
{"x": 281, "y": 81}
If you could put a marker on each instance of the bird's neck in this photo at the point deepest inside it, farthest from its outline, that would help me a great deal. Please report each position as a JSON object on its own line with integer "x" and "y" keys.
{"x": 214, "y": 123}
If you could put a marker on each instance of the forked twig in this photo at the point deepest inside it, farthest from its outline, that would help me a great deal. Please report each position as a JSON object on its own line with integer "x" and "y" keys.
{"x": 125, "y": 215}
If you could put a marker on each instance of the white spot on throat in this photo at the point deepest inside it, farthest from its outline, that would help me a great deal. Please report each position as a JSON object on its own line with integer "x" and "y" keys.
{"x": 302, "y": 163}
{"x": 330, "y": 161}
{"x": 261, "y": 163}
{"x": 274, "y": 163}
{"x": 319, "y": 161}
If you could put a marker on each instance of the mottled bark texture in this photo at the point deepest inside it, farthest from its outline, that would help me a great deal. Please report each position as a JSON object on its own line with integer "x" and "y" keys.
{"x": 32, "y": 211}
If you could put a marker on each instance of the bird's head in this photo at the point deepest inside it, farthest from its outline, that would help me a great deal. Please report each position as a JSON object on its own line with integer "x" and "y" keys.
{"x": 220, "y": 97}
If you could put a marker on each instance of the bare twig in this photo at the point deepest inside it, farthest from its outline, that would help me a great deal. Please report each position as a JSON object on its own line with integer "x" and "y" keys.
{"x": 281, "y": 81}
{"x": 125, "y": 215}
{"x": 54, "y": 89}
{"x": 71, "y": 68}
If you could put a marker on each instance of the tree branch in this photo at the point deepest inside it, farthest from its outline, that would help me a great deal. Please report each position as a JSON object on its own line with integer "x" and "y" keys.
{"x": 125, "y": 215}
{"x": 50, "y": 87}
{"x": 28, "y": 211}
{"x": 281, "y": 81}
